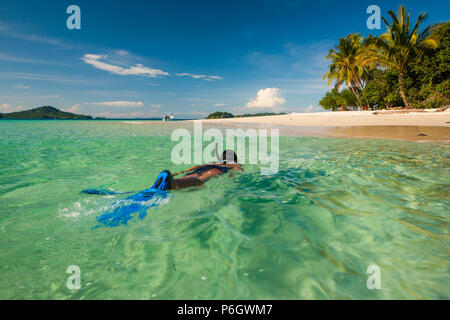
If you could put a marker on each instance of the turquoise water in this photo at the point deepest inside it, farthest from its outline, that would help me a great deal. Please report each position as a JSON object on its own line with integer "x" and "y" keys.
{"x": 335, "y": 207}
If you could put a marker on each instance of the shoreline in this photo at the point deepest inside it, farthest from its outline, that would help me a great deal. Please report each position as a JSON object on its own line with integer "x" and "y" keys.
{"x": 424, "y": 126}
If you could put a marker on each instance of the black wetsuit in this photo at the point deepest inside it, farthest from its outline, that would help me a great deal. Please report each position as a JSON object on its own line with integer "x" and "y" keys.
{"x": 205, "y": 168}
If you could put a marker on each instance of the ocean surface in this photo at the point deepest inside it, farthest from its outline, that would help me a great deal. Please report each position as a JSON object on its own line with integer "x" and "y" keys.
{"x": 336, "y": 207}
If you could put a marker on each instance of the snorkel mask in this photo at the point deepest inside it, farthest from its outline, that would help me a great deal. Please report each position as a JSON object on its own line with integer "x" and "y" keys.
{"x": 228, "y": 156}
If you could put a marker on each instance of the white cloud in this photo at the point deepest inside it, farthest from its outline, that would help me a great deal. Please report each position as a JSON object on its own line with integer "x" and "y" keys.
{"x": 138, "y": 70}
{"x": 155, "y": 106}
{"x": 311, "y": 108}
{"x": 6, "y": 107}
{"x": 121, "y": 52}
{"x": 194, "y": 113}
{"x": 28, "y": 97}
{"x": 220, "y": 105}
{"x": 135, "y": 114}
{"x": 9, "y": 31}
{"x": 74, "y": 109}
{"x": 200, "y": 76}
{"x": 44, "y": 77}
{"x": 20, "y": 86}
{"x": 102, "y": 62}
{"x": 118, "y": 103}
{"x": 10, "y": 58}
{"x": 267, "y": 98}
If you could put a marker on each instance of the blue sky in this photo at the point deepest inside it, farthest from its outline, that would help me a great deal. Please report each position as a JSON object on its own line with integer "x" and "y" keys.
{"x": 143, "y": 58}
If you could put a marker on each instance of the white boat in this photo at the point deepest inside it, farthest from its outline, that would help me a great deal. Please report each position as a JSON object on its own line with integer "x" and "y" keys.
{"x": 168, "y": 116}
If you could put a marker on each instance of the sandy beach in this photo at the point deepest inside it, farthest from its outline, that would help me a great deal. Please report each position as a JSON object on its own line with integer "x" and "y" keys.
{"x": 401, "y": 125}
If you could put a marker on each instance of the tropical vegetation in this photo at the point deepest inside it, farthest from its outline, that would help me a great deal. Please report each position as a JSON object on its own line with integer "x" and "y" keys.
{"x": 407, "y": 66}
{"x": 45, "y": 112}
{"x": 222, "y": 115}
{"x": 219, "y": 115}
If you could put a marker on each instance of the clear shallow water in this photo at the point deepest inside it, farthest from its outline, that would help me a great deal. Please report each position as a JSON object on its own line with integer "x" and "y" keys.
{"x": 309, "y": 232}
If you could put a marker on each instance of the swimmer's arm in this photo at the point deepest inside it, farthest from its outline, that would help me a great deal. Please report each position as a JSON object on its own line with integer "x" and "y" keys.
{"x": 180, "y": 172}
{"x": 237, "y": 168}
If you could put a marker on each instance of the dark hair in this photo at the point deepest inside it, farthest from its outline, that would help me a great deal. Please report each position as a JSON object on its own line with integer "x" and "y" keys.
{"x": 228, "y": 156}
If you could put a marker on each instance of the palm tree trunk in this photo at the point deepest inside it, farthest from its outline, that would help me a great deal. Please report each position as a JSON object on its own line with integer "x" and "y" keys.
{"x": 402, "y": 90}
{"x": 355, "y": 92}
{"x": 357, "y": 80}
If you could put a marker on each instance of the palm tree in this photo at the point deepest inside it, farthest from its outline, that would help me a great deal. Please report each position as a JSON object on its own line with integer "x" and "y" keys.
{"x": 399, "y": 42}
{"x": 350, "y": 63}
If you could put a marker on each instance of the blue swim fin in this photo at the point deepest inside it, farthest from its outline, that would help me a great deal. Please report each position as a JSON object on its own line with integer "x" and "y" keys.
{"x": 163, "y": 181}
{"x": 140, "y": 202}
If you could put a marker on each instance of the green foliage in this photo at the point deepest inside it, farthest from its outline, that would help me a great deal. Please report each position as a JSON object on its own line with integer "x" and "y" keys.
{"x": 335, "y": 100}
{"x": 429, "y": 72}
{"x": 219, "y": 115}
{"x": 45, "y": 112}
{"x": 331, "y": 101}
{"x": 352, "y": 60}
{"x": 348, "y": 98}
{"x": 222, "y": 115}
{"x": 406, "y": 66}
{"x": 433, "y": 65}
{"x": 443, "y": 88}
{"x": 261, "y": 114}
{"x": 434, "y": 102}
{"x": 381, "y": 91}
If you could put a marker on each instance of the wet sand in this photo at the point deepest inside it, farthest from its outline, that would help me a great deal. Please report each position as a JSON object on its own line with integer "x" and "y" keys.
{"x": 412, "y": 126}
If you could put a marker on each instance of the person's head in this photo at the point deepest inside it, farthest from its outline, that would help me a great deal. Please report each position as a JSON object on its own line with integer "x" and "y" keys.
{"x": 228, "y": 156}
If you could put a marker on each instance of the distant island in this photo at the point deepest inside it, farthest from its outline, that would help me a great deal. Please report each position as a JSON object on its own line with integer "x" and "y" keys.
{"x": 223, "y": 115}
{"x": 45, "y": 112}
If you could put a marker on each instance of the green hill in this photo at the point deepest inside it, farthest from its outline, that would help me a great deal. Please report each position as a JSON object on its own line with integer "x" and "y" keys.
{"x": 261, "y": 114}
{"x": 45, "y": 112}
{"x": 219, "y": 115}
{"x": 222, "y": 115}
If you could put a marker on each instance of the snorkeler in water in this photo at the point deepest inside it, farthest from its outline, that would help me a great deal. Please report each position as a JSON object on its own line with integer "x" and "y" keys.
{"x": 151, "y": 197}
{"x": 198, "y": 175}
{"x": 194, "y": 176}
